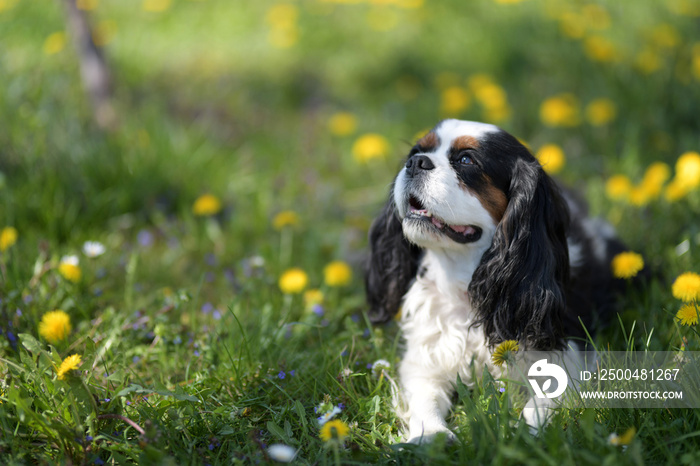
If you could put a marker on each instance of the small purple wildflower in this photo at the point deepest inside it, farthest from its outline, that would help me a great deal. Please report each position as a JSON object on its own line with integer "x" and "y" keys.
{"x": 216, "y": 314}
{"x": 145, "y": 238}
{"x": 196, "y": 353}
{"x": 502, "y": 389}
{"x": 210, "y": 259}
{"x": 281, "y": 375}
{"x": 207, "y": 308}
{"x": 318, "y": 310}
{"x": 18, "y": 312}
{"x": 293, "y": 372}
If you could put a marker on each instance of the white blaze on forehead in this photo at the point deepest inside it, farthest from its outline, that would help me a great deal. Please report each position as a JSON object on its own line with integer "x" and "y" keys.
{"x": 449, "y": 130}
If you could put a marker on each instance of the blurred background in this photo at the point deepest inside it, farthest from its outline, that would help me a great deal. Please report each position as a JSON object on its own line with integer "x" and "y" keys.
{"x": 228, "y": 157}
{"x": 269, "y": 104}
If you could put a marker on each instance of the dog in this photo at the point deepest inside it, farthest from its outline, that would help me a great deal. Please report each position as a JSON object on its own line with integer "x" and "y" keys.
{"x": 477, "y": 245}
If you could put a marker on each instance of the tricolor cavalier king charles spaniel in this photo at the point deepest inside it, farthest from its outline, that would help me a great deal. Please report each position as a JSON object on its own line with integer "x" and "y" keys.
{"x": 478, "y": 245}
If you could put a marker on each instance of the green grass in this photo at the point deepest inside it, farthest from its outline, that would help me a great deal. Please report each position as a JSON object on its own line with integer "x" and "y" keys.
{"x": 183, "y": 341}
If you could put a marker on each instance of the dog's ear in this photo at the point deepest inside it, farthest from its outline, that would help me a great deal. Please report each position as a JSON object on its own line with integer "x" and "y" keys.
{"x": 392, "y": 265}
{"x": 518, "y": 288}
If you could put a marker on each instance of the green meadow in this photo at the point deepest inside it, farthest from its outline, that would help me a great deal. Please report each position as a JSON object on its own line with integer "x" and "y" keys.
{"x": 218, "y": 308}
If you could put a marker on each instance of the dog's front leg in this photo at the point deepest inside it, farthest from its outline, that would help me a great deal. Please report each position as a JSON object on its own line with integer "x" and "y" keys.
{"x": 428, "y": 400}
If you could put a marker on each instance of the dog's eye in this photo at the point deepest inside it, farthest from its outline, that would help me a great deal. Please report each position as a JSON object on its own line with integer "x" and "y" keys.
{"x": 465, "y": 159}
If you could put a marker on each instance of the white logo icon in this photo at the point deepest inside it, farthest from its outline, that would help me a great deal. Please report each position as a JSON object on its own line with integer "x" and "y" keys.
{"x": 542, "y": 368}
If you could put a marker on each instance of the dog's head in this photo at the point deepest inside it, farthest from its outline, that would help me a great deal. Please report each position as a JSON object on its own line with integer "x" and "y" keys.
{"x": 471, "y": 188}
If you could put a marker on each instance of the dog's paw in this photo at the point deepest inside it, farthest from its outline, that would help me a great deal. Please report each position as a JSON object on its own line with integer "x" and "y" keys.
{"x": 427, "y": 437}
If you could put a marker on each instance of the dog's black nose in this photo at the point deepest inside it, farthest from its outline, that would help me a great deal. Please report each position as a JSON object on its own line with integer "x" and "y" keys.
{"x": 418, "y": 162}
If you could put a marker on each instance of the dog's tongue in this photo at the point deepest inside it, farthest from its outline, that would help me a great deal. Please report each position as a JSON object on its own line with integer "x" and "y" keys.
{"x": 464, "y": 229}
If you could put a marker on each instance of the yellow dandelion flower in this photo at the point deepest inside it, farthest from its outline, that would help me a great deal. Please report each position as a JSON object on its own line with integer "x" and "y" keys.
{"x": 491, "y": 95}
{"x": 624, "y": 439}
{"x": 648, "y": 60}
{"x": 454, "y": 100}
{"x": 665, "y": 36}
{"x": 654, "y": 178}
{"x": 551, "y": 157}
{"x": 54, "y": 43}
{"x": 380, "y": 18}
{"x": 618, "y": 187}
{"x": 688, "y": 314}
{"x": 313, "y": 298}
{"x": 560, "y": 110}
{"x": 206, "y": 205}
{"x": 337, "y": 273}
{"x": 8, "y": 237}
{"x": 7, "y": 4}
{"x": 293, "y": 281}
{"x": 282, "y": 15}
{"x": 600, "y": 112}
{"x": 342, "y": 124}
{"x": 283, "y": 37}
{"x": 55, "y": 326}
{"x": 504, "y": 353}
{"x": 696, "y": 61}
{"x": 572, "y": 25}
{"x": 86, "y": 5}
{"x": 72, "y": 362}
{"x": 675, "y": 191}
{"x": 286, "y": 218}
{"x": 155, "y": 6}
{"x": 627, "y": 264}
{"x": 687, "y": 287}
{"x": 335, "y": 430}
{"x": 688, "y": 169}
{"x": 370, "y": 146}
{"x": 69, "y": 269}
{"x": 600, "y": 49}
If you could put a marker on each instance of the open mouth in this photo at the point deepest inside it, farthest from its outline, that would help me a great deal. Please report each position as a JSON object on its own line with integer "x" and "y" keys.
{"x": 458, "y": 233}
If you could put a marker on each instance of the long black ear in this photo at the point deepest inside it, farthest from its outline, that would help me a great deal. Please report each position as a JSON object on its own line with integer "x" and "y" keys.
{"x": 392, "y": 264}
{"x": 518, "y": 290}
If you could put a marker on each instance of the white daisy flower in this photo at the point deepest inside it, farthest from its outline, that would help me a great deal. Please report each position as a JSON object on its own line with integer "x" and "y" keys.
{"x": 281, "y": 452}
{"x": 93, "y": 249}
{"x": 380, "y": 365}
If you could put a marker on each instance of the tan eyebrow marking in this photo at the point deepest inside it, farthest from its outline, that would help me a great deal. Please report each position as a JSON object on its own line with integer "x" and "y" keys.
{"x": 465, "y": 142}
{"x": 429, "y": 142}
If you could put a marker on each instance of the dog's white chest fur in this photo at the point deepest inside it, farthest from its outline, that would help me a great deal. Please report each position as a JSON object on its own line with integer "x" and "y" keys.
{"x": 436, "y": 323}
{"x": 441, "y": 343}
